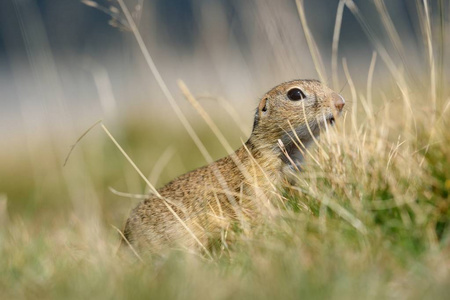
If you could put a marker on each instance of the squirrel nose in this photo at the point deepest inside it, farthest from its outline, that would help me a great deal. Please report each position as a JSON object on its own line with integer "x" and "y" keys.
{"x": 338, "y": 102}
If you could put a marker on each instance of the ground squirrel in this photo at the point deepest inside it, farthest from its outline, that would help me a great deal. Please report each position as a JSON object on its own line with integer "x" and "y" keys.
{"x": 196, "y": 208}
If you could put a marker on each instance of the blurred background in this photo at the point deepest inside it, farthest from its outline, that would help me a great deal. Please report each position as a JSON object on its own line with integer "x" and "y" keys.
{"x": 66, "y": 64}
{"x": 61, "y": 61}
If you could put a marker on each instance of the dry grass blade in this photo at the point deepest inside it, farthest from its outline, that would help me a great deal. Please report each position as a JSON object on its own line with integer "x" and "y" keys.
{"x": 392, "y": 32}
{"x": 338, "y": 209}
{"x": 389, "y": 62}
{"x": 335, "y": 45}
{"x": 112, "y": 11}
{"x": 127, "y": 195}
{"x": 285, "y": 152}
{"x": 78, "y": 140}
{"x": 314, "y": 50}
{"x": 155, "y": 192}
{"x": 370, "y": 77}
{"x": 188, "y": 95}
{"x": 161, "y": 163}
{"x": 300, "y": 146}
{"x": 233, "y": 114}
{"x": 162, "y": 84}
{"x": 152, "y": 188}
{"x": 316, "y": 142}
{"x": 223, "y": 141}
{"x": 128, "y": 243}
{"x": 242, "y": 168}
{"x": 354, "y": 95}
{"x": 431, "y": 60}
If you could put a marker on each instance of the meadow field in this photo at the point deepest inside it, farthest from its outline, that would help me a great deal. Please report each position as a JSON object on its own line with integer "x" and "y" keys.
{"x": 367, "y": 218}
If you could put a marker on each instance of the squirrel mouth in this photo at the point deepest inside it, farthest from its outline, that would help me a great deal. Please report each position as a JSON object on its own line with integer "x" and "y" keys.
{"x": 331, "y": 120}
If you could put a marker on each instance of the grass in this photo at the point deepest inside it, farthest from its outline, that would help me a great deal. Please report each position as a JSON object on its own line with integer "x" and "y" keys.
{"x": 369, "y": 217}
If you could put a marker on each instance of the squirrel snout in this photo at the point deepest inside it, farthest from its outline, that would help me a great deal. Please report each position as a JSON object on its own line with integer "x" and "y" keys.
{"x": 338, "y": 102}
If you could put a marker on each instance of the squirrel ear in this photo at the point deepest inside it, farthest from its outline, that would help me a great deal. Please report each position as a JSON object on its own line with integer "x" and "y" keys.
{"x": 263, "y": 106}
{"x": 261, "y": 111}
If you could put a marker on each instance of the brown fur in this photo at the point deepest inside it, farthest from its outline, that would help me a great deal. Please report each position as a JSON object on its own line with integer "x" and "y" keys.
{"x": 236, "y": 188}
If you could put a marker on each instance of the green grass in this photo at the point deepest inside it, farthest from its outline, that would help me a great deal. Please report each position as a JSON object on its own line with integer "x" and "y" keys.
{"x": 355, "y": 225}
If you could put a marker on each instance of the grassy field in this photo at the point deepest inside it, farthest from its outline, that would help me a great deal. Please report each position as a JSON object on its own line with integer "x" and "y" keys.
{"x": 368, "y": 218}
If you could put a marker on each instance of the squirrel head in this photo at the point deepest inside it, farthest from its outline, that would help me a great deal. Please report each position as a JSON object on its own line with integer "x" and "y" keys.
{"x": 294, "y": 105}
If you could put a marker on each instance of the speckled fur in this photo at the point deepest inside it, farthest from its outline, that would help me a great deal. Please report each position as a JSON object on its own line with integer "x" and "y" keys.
{"x": 233, "y": 189}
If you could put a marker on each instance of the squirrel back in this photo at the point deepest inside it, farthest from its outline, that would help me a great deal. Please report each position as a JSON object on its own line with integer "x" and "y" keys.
{"x": 198, "y": 208}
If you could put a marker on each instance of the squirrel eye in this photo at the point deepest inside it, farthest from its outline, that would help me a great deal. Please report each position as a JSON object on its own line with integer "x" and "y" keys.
{"x": 295, "y": 94}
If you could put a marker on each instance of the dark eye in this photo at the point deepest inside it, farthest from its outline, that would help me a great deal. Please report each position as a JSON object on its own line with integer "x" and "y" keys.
{"x": 295, "y": 94}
